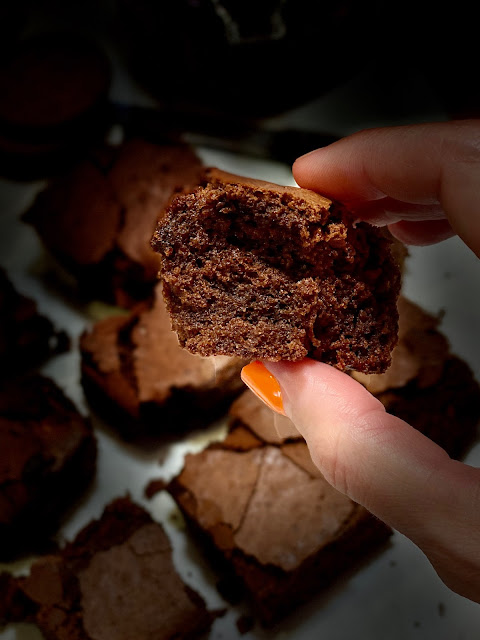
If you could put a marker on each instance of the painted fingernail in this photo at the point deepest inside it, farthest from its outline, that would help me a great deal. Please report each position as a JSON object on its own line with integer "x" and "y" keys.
{"x": 264, "y": 385}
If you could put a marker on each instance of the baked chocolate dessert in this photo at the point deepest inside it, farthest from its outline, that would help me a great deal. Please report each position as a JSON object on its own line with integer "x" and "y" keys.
{"x": 261, "y": 271}
{"x": 47, "y": 461}
{"x": 115, "y": 581}
{"x": 137, "y": 376}
{"x": 271, "y": 521}
{"x": 98, "y": 219}
{"x": 27, "y": 337}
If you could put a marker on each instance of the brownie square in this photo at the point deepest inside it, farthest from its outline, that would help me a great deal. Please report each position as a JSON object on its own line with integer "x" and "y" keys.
{"x": 261, "y": 271}
{"x": 27, "y": 337}
{"x": 98, "y": 218}
{"x": 137, "y": 376}
{"x": 48, "y": 458}
{"x": 115, "y": 581}
{"x": 272, "y": 522}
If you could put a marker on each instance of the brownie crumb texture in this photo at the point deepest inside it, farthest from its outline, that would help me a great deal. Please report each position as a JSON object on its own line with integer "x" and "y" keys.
{"x": 257, "y": 270}
{"x": 115, "y": 581}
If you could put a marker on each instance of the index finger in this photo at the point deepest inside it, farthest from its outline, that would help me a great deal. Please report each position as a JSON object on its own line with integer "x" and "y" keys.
{"x": 435, "y": 165}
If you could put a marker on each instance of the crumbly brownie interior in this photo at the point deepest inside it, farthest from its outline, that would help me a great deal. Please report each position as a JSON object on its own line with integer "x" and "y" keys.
{"x": 272, "y": 273}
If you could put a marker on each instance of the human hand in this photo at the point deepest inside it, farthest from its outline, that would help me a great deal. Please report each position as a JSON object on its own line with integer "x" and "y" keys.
{"x": 424, "y": 182}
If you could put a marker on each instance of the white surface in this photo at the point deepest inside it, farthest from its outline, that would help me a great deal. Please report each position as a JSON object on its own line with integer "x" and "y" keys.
{"x": 398, "y": 595}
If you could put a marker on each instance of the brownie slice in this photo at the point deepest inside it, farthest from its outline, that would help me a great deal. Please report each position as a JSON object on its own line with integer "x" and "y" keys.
{"x": 138, "y": 377}
{"x": 261, "y": 271}
{"x": 115, "y": 581}
{"x": 98, "y": 218}
{"x": 271, "y": 521}
{"x": 27, "y": 337}
{"x": 48, "y": 458}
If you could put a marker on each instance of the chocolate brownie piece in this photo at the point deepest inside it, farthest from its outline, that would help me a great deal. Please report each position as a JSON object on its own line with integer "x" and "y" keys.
{"x": 136, "y": 374}
{"x": 98, "y": 218}
{"x": 115, "y": 581}
{"x": 26, "y": 337}
{"x": 261, "y": 271}
{"x": 48, "y": 458}
{"x": 266, "y": 513}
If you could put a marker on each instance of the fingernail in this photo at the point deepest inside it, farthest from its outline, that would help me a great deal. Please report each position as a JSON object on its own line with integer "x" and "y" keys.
{"x": 264, "y": 385}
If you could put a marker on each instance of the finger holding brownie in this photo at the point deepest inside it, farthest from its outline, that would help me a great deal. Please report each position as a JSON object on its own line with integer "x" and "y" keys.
{"x": 423, "y": 181}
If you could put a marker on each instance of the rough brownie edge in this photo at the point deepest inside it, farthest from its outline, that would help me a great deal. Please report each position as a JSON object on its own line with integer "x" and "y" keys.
{"x": 59, "y": 466}
{"x": 115, "y": 580}
{"x": 257, "y": 270}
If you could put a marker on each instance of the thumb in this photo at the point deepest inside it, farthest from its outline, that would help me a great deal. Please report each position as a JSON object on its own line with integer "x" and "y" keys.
{"x": 389, "y": 467}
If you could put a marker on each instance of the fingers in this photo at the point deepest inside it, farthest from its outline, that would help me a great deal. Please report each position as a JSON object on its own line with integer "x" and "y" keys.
{"x": 435, "y": 164}
{"x": 421, "y": 233}
{"x": 388, "y": 466}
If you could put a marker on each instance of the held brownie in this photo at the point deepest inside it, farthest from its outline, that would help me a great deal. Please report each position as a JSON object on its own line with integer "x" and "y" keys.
{"x": 135, "y": 373}
{"x": 47, "y": 461}
{"x": 98, "y": 218}
{"x": 262, "y": 271}
{"x": 115, "y": 581}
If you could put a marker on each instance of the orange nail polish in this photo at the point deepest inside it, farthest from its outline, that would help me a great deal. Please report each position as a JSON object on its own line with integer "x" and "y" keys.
{"x": 264, "y": 385}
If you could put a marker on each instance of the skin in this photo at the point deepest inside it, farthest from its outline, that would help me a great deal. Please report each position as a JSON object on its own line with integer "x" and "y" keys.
{"x": 423, "y": 181}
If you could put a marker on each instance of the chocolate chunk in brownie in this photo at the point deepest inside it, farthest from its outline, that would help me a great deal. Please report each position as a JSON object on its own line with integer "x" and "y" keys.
{"x": 261, "y": 271}
{"x": 27, "y": 337}
{"x": 274, "y": 523}
{"x": 115, "y": 581}
{"x": 135, "y": 373}
{"x": 48, "y": 458}
{"x": 98, "y": 218}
